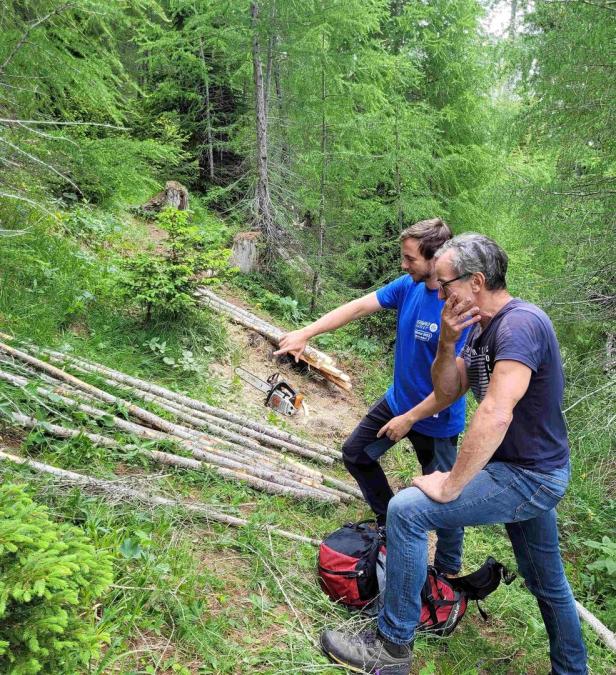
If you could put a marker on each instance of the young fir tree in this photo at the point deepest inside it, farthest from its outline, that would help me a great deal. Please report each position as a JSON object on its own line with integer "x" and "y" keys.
{"x": 50, "y": 578}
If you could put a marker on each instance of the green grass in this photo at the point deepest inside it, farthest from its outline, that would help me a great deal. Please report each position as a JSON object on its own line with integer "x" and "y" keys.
{"x": 193, "y": 597}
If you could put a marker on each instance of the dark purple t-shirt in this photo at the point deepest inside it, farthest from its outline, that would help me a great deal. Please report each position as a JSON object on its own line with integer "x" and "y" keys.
{"x": 537, "y": 436}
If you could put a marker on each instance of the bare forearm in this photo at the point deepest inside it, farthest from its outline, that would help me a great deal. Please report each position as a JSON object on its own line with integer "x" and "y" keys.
{"x": 445, "y": 374}
{"x": 485, "y": 433}
{"x": 428, "y": 407}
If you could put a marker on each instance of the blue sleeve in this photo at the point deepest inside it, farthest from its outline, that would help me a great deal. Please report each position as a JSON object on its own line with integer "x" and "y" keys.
{"x": 390, "y": 296}
{"x": 521, "y": 337}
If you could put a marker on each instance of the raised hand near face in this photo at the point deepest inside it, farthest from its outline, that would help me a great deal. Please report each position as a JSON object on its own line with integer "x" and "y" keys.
{"x": 458, "y": 313}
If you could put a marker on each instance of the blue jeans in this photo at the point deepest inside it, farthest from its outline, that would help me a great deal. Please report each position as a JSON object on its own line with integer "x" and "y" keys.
{"x": 361, "y": 452}
{"x": 502, "y": 493}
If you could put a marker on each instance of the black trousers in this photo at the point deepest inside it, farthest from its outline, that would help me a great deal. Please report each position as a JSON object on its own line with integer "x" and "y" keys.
{"x": 362, "y": 450}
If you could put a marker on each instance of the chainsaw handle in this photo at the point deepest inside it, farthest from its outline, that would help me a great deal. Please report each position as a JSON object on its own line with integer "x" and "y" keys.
{"x": 282, "y": 387}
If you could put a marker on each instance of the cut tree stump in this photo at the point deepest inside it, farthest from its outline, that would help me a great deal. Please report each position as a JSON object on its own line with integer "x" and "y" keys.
{"x": 174, "y": 195}
{"x": 244, "y": 253}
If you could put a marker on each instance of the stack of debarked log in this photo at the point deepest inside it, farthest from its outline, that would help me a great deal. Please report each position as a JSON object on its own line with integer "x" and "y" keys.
{"x": 232, "y": 446}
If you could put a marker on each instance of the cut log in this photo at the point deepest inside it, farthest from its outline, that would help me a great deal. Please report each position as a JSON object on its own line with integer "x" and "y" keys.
{"x": 258, "y": 478}
{"x": 313, "y": 357}
{"x": 606, "y": 635}
{"x": 120, "y": 492}
{"x": 271, "y": 467}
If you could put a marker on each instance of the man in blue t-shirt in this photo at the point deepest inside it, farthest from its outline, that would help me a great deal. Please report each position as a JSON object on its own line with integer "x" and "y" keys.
{"x": 408, "y": 408}
{"x": 512, "y": 468}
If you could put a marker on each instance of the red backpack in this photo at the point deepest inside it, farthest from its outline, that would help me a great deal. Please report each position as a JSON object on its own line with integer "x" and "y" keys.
{"x": 347, "y": 564}
{"x": 351, "y": 570}
{"x": 442, "y": 606}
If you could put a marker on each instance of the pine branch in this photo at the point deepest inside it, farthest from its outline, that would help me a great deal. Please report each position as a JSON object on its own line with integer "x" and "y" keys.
{"x": 20, "y": 43}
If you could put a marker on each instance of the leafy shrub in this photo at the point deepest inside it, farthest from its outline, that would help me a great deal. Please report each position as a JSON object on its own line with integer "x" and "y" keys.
{"x": 281, "y": 306}
{"x": 166, "y": 283}
{"x": 83, "y": 222}
{"x": 185, "y": 362}
{"x": 601, "y": 579}
{"x": 50, "y": 576}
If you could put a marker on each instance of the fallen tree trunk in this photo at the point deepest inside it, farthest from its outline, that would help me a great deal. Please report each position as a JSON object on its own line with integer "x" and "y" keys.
{"x": 264, "y": 470}
{"x": 313, "y": 357}
{"x": 203, "y": 451}
{"x": 193, "y": 441}
{"x": 122, "y": 492}
{"x": 606, "y": 635}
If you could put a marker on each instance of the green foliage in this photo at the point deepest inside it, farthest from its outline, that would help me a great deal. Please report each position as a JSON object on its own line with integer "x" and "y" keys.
{"x": 185, "y": 362}
{"x": 282, "y": 306}
{"x": 84, "y": 223}
{"x": 47, "y": 282}
{"x": 601, "y": 577}
{"x": 165, "y": 284}
{"x": 51, "y": 575}
{"x": 74, "y": 122}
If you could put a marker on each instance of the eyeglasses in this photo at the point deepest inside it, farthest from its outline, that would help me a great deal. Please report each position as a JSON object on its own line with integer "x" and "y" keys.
{"x": 444, "y": 284}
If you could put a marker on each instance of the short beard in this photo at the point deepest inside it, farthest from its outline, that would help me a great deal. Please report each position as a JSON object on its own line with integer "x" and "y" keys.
{"x": 423, "y": 277}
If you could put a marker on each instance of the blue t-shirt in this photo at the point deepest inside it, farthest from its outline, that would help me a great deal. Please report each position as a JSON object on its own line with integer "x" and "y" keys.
{"x": 537, "y": 436}
{"x": 417, "y": 332}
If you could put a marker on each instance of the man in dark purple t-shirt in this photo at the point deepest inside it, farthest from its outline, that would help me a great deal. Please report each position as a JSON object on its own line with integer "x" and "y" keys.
{"x": 512, "y": 468}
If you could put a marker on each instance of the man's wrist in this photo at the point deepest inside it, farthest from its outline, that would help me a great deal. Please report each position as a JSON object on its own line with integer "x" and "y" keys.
{"x": 450, "y": 491}
{"x": 410, "y": 417}
{"x": 307, "y": 333}
{"x": 447, "y": 347}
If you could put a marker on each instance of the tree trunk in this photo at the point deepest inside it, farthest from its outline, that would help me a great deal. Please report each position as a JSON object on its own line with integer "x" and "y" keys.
{"x": 400, "y": 213}
{"x": 513, "y": 19}
{"x": 244, "y": 253}
{"x": 264, "y": 217}
{"x": 208, "y": 113}
{"x": 319, "y": 266}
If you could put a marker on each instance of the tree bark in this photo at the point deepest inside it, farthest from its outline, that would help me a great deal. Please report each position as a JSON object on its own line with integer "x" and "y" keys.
{"x": 321, "y": 217}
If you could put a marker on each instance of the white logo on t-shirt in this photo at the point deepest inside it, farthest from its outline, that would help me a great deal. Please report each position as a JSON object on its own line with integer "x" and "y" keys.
{"x": 424, "y": 330}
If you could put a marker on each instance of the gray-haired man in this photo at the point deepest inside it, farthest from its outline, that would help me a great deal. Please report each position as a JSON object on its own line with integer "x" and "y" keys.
{"x": 513, "y": 466}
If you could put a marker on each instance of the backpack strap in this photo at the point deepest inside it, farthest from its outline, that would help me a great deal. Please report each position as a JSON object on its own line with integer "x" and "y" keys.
{"x": 480, "y": 583}
{"x": 427, "y": 597}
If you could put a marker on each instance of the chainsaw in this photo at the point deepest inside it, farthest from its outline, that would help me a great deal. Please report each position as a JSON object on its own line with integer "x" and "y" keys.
{"x": 280, "y": 395}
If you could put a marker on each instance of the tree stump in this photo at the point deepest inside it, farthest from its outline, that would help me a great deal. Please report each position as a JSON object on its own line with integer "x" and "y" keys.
{"x": 244, "y": 253}
{"x": 174, "y": 194}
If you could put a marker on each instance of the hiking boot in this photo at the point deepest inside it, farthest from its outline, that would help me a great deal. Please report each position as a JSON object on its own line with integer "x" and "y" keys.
{"x": 367, "y": 652}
